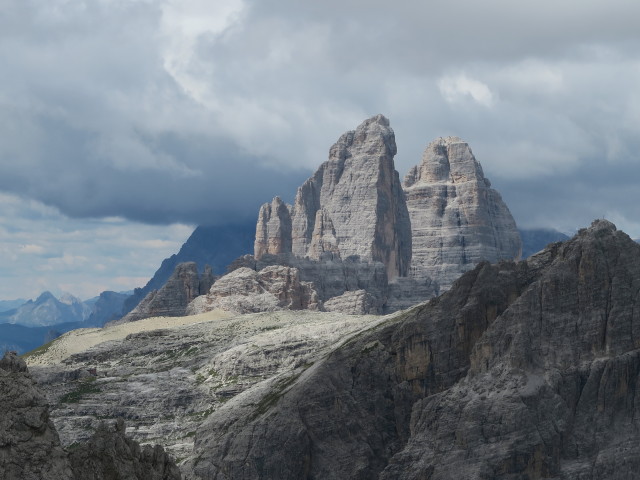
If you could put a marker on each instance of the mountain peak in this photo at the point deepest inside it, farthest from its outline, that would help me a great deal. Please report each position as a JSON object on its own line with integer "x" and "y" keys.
{"x": 340, "y": 206}
{"x": 44, "y": 296}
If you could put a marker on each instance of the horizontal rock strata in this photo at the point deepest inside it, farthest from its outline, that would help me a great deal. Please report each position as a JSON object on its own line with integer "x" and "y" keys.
{"x": 247, "y": 291}
{"x": 353, "y": 205}
{"x": 30, "y": 447}
{"x": 457, "y": 219}
{"x": 184, "y": 285}
{"x": 524, "y": 370}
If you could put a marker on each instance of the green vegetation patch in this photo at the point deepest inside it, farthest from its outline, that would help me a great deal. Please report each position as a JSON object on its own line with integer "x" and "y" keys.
{"x": 271, "y": 398}
{"x": 41, "y": 350}
{"x": 84, "y": 388}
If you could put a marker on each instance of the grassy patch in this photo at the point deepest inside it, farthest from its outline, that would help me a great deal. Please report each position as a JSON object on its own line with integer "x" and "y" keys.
{"x": 84, "y": 388}
{"x": 271, "y": 327}
{"x": 202, "y": 414}
{"x": 271, "y": 398}
{"x": 41, "y": 350}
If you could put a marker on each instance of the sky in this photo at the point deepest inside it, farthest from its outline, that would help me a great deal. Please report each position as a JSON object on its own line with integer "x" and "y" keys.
{"x": 125, "y": 123}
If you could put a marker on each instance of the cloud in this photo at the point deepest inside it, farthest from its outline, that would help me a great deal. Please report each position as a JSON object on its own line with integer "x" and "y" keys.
{"x": 195, "y": 112}
{"x": 31, "y": 249}
{"x": 455, "y": 89}
{"x": 43, "y": 249}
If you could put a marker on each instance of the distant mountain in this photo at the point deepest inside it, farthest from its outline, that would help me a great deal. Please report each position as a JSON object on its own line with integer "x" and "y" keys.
{"x": 535, "y": 239}
{"x": 216, "y": 246}
{"x": 23, "y": 339}
{"x": 48, "y": 310}
{"x": 6, "y": 305}
{"x": 106, "y": 307}
{"x": 36, "y": 322}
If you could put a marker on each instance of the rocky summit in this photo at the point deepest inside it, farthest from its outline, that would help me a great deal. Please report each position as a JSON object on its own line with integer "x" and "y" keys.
{"x": 425, "y": 234}
{"x": 457, "y": 219}
{"x": 353, "y": 205}
{"x": 356, "y": 240}
{"x": 521, "y": 370}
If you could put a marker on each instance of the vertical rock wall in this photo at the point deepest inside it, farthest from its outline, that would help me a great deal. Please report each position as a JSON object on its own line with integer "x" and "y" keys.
{"x": 457, "y": 219}
{"x": 352, "y": 205}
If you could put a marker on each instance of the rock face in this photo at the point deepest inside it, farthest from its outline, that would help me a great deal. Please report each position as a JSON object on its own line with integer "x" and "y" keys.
{"x": 30, "y": 447}
{"x": 358, "y": 302}
{"x": 110, "y": 454}
{"x": 164, "y": 380}
{"x": 173, "y": 298}
{"x": 248, "y": 291}
{"x": 524, "y": 370}
{"x": 216, "y": 245}
{"x": 332, "y": 278}
{"x": 29, "y": 444}
{"x": 273, "y": 232}
{"x": 457, "y": 220}
{"x": 352, "y": 205}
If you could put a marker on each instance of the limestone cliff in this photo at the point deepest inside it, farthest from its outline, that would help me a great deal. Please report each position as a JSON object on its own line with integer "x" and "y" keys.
{"x": 273, "y": 232}
{"x": 457, "y": 219}
{"x": 353, "y": 205}
{"x": 248, "y": 291}
{"x": 524, "y": 370}
{"x": 172, "y": 299}
{"x": 30, "y": 448}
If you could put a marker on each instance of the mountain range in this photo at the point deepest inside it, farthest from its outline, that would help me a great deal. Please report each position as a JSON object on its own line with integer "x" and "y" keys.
{"x": 441, "y": 237}
{"x": 520, "y": 370}
{"x": 379, "y": 329}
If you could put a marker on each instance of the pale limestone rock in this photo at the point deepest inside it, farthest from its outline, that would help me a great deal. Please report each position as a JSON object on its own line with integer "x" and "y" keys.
{"x": 457, "y": 220}
{"x": 359, "y": 195}
{"x": 248, "y": 291}
{"x": 332, "y": 278}
{"x": 184, "y": 285}
{"x": 324, "y": 244}
{"x": 273, "y": 232}
{"x": 357, "y": 302}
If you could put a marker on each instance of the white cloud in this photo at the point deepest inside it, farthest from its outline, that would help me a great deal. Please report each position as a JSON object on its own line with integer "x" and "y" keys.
{"x": 32, "y": 249}
{"x": 456, "y": 89}
{"x": 83, "y": 257}
{"x": 193, "y": 111}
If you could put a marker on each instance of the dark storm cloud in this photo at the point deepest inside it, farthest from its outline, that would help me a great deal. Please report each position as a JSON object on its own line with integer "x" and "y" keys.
{"x": 188, "y": 111}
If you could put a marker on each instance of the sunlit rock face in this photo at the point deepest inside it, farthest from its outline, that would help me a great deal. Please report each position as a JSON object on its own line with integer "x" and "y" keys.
{"x": 457, "y": 219}
{"x": 353, "y": 205}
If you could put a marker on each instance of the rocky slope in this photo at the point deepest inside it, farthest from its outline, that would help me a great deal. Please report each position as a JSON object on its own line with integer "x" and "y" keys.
{"x": 524, "y": 370}
{"x": 457, "y": 219}
{"x": 165, "y": 376}
{"x": 184, "y": 285}
{"x": 216, "y": 245}
{"x": 30, "y": 447}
